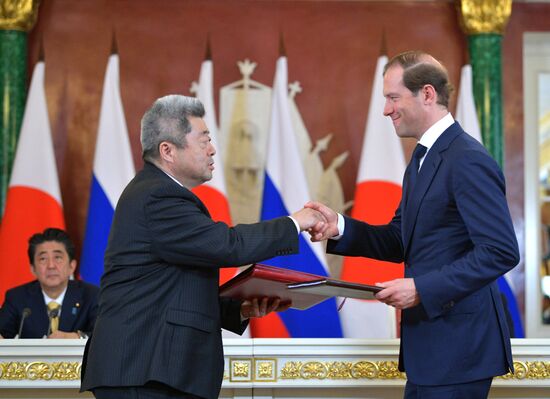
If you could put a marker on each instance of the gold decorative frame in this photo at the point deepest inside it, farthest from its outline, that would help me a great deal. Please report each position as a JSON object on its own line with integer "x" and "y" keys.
{"x": 58, "y": 371}
{"x": 240, "y": 369}
{"x": 265, "y": 370}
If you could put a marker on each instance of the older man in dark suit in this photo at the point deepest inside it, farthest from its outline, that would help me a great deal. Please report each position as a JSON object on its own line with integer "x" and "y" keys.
{"x": 453, "y": 231}
{"x": 158, "y": 329}
{"x": 52, "y": 306}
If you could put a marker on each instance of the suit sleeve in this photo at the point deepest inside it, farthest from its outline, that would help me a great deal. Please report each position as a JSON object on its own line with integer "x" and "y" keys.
{"x": 9, "y": 317}
{"x": 479, "y": 195}
{"x": 377, "y": 242}
{"x": 230, "y": 312}
{"x": 183, "y": 234}
{"x": 91, "y": 316}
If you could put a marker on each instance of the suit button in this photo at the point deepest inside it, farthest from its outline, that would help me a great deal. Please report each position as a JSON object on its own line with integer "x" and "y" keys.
{"x": 448, "y": 305}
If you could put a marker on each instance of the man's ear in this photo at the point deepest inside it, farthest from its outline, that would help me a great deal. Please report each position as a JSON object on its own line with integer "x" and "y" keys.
{"x": 166, "y": 150}
{"x": 33, "y": 271}
{"x": 72, "y": 265}
{"x": 429, "y": 94}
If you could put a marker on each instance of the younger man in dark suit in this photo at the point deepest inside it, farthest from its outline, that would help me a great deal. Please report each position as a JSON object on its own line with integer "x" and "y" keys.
{"x": 53, "y": 305}
{"x": 453, "y": 231}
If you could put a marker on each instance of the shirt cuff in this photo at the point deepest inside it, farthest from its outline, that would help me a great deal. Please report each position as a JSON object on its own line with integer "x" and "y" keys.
{"x": 341, "y": 227}
{"x": 295, "y": 223}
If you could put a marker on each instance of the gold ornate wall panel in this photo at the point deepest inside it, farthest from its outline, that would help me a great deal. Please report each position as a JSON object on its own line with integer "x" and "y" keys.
{"x": 319, "y": 368}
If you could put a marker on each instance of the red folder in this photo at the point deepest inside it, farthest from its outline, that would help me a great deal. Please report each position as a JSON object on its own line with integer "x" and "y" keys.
{"x": 260, "y": 281}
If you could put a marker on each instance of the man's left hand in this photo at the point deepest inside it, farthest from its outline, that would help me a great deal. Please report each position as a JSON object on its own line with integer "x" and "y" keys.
{"x": 260, "y": 308}
{"x": 400, "y": 293}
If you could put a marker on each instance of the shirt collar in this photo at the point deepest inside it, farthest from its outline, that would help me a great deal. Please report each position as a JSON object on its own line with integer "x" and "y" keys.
{"x": 172, "y": 177}
{"x": 59, "y": 299}
{"x": 432, "y": 134}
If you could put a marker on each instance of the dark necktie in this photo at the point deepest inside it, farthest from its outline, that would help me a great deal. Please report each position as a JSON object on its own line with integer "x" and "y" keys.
{"x": 417, "y": 155}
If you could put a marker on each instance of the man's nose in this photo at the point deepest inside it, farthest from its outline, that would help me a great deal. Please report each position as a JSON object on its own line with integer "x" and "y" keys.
{"x": 212, "y": 149}
{"x": 388, "y": 109}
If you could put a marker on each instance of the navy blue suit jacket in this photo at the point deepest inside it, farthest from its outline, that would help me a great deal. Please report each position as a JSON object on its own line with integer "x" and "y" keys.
{"x": 456, "y": 238}
{"x": 78, "y": 310}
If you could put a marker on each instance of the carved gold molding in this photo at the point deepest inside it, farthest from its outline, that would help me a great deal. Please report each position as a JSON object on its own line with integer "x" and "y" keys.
{"x": 240, "y": 369}
{"x": 263, "y": 369}
{"x": 252, "y": 369}
{"x": 59, "y": 371}
{"x": 18, "y": 14}
{"x": 341, "y": 370}
{"x": 484, "y": 16}
{"x": 387, "y": 370}
{"x": 536, "y": 370}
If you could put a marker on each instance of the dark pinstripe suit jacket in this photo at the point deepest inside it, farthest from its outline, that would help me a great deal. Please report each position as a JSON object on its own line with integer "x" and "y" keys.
{"x": 78, "y": 311}
{"x": 159, "y": 310}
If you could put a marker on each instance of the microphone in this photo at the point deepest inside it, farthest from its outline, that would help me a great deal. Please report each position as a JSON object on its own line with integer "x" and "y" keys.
{"x": 26, "y": 313}
{"x": 51, "y": 314}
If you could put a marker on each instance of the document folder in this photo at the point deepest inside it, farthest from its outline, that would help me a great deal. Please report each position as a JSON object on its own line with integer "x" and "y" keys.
{"x": 331, "y": 287}
{"x": 260, "y": 281}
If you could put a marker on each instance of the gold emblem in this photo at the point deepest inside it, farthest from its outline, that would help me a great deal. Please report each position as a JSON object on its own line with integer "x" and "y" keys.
{"x": 18, "y": 14}
{"x": 484, "y": 16}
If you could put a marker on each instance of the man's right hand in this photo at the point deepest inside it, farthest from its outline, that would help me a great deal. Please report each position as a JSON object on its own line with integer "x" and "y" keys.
{"x": 330, "y": 229}
{"x": 309, "y": 219}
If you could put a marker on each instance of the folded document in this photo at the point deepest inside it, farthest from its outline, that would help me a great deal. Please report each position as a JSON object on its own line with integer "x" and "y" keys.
{"x": 304, "y": 290}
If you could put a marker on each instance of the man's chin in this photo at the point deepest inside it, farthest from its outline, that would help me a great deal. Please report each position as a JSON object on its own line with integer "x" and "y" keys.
{"x": 51, "y": 284}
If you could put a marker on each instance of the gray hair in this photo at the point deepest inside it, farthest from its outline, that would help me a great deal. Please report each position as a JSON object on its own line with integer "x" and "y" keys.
{"x": 167, "y": 120}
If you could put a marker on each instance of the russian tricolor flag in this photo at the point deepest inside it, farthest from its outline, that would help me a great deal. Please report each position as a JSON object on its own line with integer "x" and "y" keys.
{"x": 113, "y": 169}
{"x": 285, "y": 191}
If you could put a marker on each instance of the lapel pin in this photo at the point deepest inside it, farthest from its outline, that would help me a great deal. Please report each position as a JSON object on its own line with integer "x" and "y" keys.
{"x": 75, "y": 308}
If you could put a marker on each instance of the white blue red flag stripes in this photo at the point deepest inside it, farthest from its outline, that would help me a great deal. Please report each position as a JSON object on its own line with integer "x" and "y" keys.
{"x": 285, "y": 191}
{"x": 467, "y": 117}
{"x": 113, "y": 169}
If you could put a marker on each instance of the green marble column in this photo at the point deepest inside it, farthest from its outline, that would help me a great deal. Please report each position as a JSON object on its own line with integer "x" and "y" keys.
{"x": 484, "y": 21}
{"x": 485, "y": 58}
{"x": 13, "y": 68}
{"x": 17, "y": 17}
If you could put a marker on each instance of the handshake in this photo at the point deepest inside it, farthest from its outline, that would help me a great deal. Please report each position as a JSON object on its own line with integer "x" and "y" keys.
{"x": 322, "y": 223}
{"x": 318, "y": 220}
